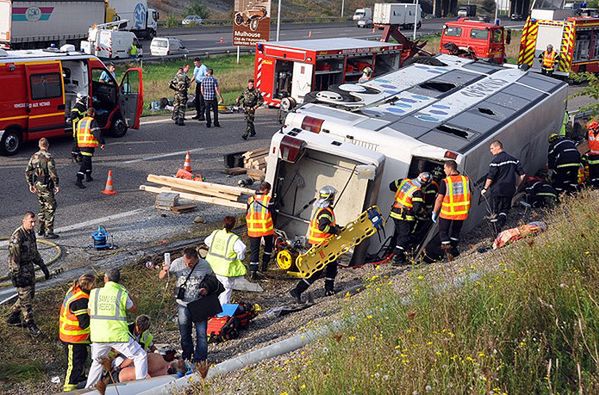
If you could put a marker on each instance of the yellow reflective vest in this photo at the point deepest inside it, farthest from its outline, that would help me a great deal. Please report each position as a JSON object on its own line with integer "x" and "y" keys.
{"x": 108, "y": 314}
{"x": 222, "y": 256}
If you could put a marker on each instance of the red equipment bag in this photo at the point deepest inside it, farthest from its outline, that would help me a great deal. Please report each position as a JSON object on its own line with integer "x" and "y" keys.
{"x": 226, "y": 325}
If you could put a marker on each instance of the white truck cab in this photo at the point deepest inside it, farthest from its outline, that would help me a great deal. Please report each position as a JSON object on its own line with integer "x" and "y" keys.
{"x": 361, "y": 137}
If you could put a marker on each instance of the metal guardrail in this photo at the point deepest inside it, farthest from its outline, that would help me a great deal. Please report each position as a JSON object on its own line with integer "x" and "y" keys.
{"x": 204, "y": 53}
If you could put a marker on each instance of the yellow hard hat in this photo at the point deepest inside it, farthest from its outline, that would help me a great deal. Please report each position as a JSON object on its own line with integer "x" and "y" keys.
{"x": 553, "y": 137}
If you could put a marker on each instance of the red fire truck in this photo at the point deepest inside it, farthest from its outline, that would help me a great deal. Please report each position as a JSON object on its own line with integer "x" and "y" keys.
{"x": 480, "y": 40}
{"x": 575, "y": 38}
{"x": 40, "y": 87}
{"x": 295, "y": 68}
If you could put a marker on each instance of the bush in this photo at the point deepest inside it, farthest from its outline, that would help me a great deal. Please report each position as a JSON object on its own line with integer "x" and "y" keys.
{"x": 195, "y": 7}
{"x": 172, "y": 21}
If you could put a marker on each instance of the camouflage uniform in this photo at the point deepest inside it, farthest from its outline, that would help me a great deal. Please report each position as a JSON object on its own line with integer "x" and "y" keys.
{"x": 250, "y": 99}
{"x": 22, "y": 254}
{"x": 77, "y": 113}
{"x": 41, "y": 174}
{"x": 180, "y": 84}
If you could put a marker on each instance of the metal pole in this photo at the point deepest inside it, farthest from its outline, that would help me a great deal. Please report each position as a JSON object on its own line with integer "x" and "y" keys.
{"x": 238, "y": 54}
{"x": 342, "y": 7}
{"x": 415, "y": 20}
{"x": 496, "y": 10}
{"x": 279, "y": 20}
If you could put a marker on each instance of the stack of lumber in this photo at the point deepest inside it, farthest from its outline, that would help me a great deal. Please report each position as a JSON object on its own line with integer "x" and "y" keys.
{"x": 255, "y": 163}
{"x": 167, "y": 200}
{"x": 199, "y": 191}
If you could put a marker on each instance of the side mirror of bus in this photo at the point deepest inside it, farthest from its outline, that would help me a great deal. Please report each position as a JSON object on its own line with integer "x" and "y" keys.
{"x": 508, "y": 37}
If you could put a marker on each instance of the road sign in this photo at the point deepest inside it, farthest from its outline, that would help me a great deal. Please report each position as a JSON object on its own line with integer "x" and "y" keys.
{"x": 251, "y": 22}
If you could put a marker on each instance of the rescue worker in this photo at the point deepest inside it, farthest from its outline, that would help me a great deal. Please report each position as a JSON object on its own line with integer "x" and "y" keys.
{"x": 409, "y": 202}
{"x": 548, "y": 58}
{"x": 366, "y": 75}
{"x": 77, "y": 113}
{"x": 225, "y": 256}
{"x": 89, "y": 136}
{"x": 108, "y": 308}
{"x": 43, "y": 181}
{"x": 540, "y": 194}
{"x": 74, "y": 330}
{"x": 22, "y": 255}
{"x": 141, "y": 333}
{"x": 423, "y": 219}
{"x": 260, "y": 227}
{"x": 564, "y": 161}
{"x": 504, "y": 178}
{"x": 180, "y": 84}
{"x": 322, "y": 227}
{"x": 251, "y": 99}
{"x": 591, "y": 158}
{"x": 133, "y": 50}
{"x": 451, "y": 208}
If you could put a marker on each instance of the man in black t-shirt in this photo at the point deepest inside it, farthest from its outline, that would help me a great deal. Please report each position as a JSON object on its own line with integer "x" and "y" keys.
{"x": 504, "y": 177}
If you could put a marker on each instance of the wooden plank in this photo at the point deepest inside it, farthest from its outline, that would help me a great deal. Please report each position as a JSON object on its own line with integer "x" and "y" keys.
{"x": 236, "y": 171}
{"x": 256, "y": 175}
{"x": 194, "y": 197}
{"x": 184, "y": 208}
{"x": 256, "y": 152}
{"x": 200, "y": 186}
{"x": 177, "y": 187}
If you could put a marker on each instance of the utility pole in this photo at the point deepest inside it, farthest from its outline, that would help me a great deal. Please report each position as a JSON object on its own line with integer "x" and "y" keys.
{"x": 342, "y": 7}
{"x": 415, "y": 20}
{"x": 279, "y": 20}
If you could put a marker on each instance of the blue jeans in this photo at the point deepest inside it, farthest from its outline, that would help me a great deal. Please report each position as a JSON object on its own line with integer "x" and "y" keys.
{"x": 185, "y": 330}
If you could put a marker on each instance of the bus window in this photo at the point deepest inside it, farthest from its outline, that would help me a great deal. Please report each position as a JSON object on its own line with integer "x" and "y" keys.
{"x": 479, "y": 34}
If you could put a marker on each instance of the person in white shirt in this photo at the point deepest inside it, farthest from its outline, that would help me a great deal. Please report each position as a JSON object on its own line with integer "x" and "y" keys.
{"x": 225, "y": 256}
{"x": 199, "y": 73}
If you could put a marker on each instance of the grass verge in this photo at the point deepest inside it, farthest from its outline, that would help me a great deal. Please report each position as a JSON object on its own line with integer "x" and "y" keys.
{"x": 530, "y": 324}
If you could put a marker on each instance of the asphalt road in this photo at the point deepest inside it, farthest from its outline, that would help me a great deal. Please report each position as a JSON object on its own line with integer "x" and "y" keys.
{"x": 158, "y": 147}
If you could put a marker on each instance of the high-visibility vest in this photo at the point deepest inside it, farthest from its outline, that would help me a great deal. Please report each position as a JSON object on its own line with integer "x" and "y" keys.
{"x": 85, "y": 137}
{"x": 108, "y": 314}
{"x": 404, "y": 200}
{"x": 258, "y": 217}
{"x": 456, "y": 202}
{"x": 549, "y": 59}
{"x": 593, "y": 138}
{"x": 69, "y": 329}
{"x": 145, "y": 339}
{"x": 315, "y": 236}
{"x": 222, "y": 256}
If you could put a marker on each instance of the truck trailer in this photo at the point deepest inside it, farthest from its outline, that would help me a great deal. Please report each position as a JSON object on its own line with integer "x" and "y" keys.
{"x": 38, "y": 24}
{"x": 141, "y": 20}
{"x": 404, "y": 15}
{"x": 401, "y": 124}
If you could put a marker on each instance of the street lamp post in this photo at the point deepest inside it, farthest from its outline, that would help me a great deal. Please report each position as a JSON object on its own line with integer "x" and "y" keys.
{"x": 342, "y": 7}
{"x": 279, "y": 20}
{"x": 415, "y": 20}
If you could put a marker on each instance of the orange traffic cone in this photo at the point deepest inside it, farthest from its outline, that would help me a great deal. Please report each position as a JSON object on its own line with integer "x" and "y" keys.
{"x": 187, "y": 163}
{"x": 310, "y": 34}
{"x": 108, "y": 189}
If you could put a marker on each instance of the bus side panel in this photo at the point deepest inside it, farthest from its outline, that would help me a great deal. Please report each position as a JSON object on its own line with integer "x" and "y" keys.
{"x": 525, "y": 138}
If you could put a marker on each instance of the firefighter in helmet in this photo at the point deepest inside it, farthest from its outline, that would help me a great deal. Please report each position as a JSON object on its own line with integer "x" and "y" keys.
{"x": 322, "y": 227}
{"x": 564, "y": 161}
{"x": 591, "y": 158}
{"x": 548, "y": 58}
{"x": 366, "y": 75}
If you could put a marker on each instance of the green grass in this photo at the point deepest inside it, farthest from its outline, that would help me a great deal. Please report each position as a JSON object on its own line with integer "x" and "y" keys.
{"x": 530, "y": 325}
{"x": 15, "y": 372}
{"x": 232, "y": 77}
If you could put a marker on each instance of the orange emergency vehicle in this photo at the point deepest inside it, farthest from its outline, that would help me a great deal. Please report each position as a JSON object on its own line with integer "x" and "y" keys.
{"x": 39, "y": 88}
{"x": 486, "y": 41}
{"x": 574, "y": 38}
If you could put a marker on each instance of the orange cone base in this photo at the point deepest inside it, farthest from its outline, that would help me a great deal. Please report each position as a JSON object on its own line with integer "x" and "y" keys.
{"x": 105, "y": 192}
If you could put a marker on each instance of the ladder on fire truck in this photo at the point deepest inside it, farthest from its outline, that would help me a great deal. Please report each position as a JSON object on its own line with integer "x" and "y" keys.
{"x": 410, "y": 48}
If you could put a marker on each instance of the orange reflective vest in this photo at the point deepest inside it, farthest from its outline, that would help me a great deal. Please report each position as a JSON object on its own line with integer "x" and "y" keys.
{"x": 549, "y": 59}
{"x": 315, "y": 236}
{"x": 456, "y": 202}
{"x": 404, "y": 200}
{"x": 69, "y": 329}
{"x": 593, "y": 138}
{"x": 258, "y": 217}
{"x": 85, "y": 137}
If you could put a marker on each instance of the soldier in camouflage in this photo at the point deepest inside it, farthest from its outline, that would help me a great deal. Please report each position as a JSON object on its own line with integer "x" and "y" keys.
{"x": 250, "y": 100}
{"x": 180, "y": 84}
{"x": 43, "y": 181}
{"x": 22, "y": 254}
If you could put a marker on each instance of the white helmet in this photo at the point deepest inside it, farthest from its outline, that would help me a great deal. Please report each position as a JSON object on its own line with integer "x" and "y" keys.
{"x": 424, "y": 178}
{"x": 326, "y": 196}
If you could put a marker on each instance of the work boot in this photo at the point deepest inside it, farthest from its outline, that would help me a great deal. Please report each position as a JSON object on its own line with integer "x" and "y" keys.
{"x": 296, "y": 293}
{"x": 14, "y": 319}
{"x": 244, "y": 136}
{"x": 252, "y": 134}
{"x": 329, "y": 288}
{"x": 447, "y": 250}
{"x": 297, "y": 296}
{"x": 33, "y": 329}
{"x": 399, "y": 259}
{"x": 88, "y": 178}
{"x": 51, "y": 235}
{"x": 79, "y": 181}
{"x": 181, "y": 122}
{"x": 41, "y": 231}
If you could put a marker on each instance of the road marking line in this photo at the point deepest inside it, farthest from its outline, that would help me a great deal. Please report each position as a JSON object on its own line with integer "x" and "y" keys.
{"x": 162, "y": 156}
{"x": 138, "y": 142}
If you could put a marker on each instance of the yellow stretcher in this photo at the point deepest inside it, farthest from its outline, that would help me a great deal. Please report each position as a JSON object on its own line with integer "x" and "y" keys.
{"x": 317, "y": 257}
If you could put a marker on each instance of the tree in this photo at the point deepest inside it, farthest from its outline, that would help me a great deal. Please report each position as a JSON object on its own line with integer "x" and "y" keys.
{"x": 488, "y": 6}
{"x": 196, "y": 7}
{"x": 591, "y": 90}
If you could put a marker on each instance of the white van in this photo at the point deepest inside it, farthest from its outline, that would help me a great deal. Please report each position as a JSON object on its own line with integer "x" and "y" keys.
{"x": 110, "y": 44}
{"x": 163, "y": 46}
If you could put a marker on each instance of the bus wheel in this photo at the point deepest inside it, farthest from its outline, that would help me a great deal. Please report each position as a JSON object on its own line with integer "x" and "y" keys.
{"x": 10, "y": 143}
